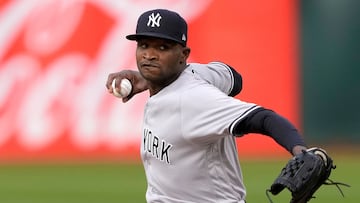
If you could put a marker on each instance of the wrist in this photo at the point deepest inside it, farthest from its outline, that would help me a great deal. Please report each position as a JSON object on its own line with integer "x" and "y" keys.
{"x": 298, "y": 149}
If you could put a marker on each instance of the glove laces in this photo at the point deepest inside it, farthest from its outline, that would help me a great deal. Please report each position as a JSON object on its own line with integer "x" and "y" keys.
{"x": 331, "y": 182}
{"x": 328, "y": 182}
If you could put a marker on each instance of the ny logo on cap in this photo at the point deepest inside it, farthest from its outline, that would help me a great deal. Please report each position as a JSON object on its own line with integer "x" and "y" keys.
{"x": 154, "y": 20}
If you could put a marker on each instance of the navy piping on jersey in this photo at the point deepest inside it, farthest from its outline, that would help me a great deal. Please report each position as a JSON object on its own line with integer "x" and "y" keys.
{"x": 238, "y": 120}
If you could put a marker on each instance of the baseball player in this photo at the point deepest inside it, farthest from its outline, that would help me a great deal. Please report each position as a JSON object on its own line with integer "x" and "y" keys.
{"x": 188, "y": 146}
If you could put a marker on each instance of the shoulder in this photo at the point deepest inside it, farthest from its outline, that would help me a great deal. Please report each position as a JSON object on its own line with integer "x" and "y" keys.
{"x": 213, "y": 65}
{"x": 213, "y": 72}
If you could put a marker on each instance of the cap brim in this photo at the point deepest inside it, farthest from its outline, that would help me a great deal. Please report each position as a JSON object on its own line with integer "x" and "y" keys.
{"x": 151, "y": 34}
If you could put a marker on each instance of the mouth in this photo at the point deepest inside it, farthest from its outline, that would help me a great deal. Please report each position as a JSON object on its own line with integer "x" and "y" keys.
{"x": 148, "y": 65}
{"x": 149, "y": 69}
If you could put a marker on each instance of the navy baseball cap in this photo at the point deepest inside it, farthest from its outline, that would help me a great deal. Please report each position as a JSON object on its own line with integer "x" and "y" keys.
{"x": 161, "y": 23}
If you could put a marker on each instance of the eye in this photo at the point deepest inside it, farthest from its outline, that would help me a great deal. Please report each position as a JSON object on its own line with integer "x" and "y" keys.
{"x": 164, "y": 47}
{"x": 142, "y": 45}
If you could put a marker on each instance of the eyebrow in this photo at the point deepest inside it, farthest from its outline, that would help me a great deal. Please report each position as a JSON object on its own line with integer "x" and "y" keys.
{"x": 167, "y": 41}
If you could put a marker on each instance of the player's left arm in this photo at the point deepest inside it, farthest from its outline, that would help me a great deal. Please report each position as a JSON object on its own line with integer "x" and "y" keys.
{"x": 267, "y": 122}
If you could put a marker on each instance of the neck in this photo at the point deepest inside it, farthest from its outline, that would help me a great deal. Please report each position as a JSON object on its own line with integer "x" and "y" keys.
{"x": 155, "y": 87}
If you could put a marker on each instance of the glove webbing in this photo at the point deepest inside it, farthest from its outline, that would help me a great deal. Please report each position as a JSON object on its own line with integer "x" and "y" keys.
{"x": 329, "y": 182}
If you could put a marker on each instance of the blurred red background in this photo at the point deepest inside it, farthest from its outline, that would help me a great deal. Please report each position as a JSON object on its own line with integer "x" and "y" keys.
{"x": 56, "y": 56}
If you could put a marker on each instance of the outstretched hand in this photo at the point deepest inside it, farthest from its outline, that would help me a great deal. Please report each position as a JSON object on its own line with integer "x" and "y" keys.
{"x": 138, "y": 83}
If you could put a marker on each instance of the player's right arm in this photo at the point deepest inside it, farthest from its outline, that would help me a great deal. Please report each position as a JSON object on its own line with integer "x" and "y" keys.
{"x": 218, "y": 74}
{"x": 138, "y": 83}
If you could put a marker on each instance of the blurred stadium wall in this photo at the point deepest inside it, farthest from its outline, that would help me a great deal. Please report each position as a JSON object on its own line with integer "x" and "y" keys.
{"x": 330, "y": 65}
{"x": 55, "y": 56}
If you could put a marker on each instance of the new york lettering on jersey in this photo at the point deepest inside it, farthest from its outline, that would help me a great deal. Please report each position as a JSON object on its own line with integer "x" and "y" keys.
{"x": 152, "y": 145}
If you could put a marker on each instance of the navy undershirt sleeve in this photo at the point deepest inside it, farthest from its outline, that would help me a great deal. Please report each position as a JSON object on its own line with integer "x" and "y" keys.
{"x": 237, "y": 82}
{"x": 267, "y": 122}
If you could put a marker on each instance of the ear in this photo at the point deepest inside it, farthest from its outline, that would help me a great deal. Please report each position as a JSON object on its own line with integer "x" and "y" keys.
{"x": 185, "y": 53}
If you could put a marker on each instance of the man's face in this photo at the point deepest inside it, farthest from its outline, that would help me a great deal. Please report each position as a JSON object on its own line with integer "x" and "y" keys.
{"x": 160, "y": 61}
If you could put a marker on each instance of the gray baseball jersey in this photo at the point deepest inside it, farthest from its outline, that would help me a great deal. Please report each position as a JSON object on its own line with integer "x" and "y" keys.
{"x": 188, "y": 148}
{"x": 215, "y": 73}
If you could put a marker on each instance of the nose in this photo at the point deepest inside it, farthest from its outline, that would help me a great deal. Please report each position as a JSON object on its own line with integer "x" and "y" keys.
{"x": 150, "y": 54}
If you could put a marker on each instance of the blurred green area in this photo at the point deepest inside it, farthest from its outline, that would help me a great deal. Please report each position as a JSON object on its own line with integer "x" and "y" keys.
{"x": 330, "y": 65}
{"x": 107, "y": 182}
{"x": 72, "y": 183}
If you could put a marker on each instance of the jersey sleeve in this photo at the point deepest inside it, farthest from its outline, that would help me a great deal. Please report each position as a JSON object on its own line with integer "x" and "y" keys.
{"x": 210, "y": 114}
{"x": 220, "y": 75}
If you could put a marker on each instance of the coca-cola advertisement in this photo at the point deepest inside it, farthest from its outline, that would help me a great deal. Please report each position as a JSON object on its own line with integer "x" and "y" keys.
{"x": 55, "y": 57}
